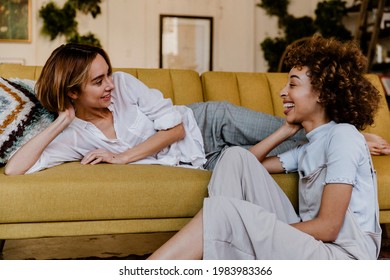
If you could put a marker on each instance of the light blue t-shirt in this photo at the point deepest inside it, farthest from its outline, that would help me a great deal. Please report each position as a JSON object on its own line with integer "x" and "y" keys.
{"x": 343, "y": 149}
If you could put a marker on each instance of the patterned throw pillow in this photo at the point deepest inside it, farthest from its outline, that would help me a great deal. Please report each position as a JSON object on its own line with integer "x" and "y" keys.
{"x": 21, "y": 115}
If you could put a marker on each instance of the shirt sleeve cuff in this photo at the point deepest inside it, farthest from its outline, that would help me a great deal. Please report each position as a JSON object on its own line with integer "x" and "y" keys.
{"x": 168, "y": 121}
{"x": 287, "y": 162}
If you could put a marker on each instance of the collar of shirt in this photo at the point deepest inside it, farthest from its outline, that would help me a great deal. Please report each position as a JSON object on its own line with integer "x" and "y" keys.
{"x": 84, "y": 125}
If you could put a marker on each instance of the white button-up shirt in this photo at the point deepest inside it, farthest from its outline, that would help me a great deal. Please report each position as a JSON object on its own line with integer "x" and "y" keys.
{"x": 138, "y": 112}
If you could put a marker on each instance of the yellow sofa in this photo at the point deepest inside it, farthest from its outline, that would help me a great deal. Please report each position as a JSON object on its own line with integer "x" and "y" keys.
{"x": 74, "y": 200}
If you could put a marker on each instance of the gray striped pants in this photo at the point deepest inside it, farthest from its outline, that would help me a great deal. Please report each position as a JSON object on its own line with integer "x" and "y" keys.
{"x": 224, "y": 125}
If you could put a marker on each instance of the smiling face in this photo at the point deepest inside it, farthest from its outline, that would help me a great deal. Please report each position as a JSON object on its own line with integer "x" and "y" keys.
{"x": 95, "y": 94}
{"x": 301, "y": 102}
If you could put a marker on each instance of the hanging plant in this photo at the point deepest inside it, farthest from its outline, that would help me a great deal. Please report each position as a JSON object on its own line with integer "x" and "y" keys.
{"x": 88, "y": 39}
{"x": 328, "y": 22}
{"x": 88, "y": 6}
{"x": 329, "y": 17}
{"x": 58, "y": 21}
{"x": 62, "y": 21}
{"x": 275, "y": 8}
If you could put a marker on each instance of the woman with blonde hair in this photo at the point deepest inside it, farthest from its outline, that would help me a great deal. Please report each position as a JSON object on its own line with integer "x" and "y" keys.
{"x": 115, "y": 118}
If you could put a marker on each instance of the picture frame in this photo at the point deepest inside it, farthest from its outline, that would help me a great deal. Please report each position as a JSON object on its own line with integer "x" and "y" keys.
{"x": 15, "y": 21}
{"x": 186, "y": 42}
{"x": 385, "y": 79}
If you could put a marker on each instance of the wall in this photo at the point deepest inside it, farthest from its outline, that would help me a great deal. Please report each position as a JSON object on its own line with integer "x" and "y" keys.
{"x": 134, "y": 30}
{"x": 266, "y": 26}
{"x": 129, "y": 31}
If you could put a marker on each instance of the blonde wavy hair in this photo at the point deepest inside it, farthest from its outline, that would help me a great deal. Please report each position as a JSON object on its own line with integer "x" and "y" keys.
{"x": 66, "y": 70}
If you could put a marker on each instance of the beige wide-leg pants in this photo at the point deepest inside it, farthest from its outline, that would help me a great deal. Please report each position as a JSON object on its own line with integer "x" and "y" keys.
{"x": 247, "y": 216}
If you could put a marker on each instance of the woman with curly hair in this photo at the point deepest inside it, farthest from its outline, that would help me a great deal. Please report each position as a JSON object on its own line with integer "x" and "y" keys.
{"x": 247, "y": 215}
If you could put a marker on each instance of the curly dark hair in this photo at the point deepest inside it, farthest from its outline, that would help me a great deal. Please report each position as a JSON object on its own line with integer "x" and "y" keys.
{"x": 336, "y": 70}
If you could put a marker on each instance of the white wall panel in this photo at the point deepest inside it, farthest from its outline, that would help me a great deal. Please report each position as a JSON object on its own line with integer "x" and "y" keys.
{"x": 129, "y": 31}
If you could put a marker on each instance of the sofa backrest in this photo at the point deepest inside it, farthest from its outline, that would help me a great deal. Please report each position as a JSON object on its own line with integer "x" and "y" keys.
{"x": 256, "y": 91}
{"x": 182, "y": 86}
{"x": 260, "y": 92}
{"x": 19, "y": 71}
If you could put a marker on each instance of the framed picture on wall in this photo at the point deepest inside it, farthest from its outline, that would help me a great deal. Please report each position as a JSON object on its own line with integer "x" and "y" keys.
{"x": 385, "y": 79}
{"x": 186, "y": 42}
{"x": 15, "y": 21}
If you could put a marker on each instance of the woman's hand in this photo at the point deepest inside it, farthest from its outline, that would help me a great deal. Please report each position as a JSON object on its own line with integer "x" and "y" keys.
{"x": 101, "y": 155}
{"x": 290, "y": 129}
{"x": 67, "y": 115}
{"x": 149, "y": 147}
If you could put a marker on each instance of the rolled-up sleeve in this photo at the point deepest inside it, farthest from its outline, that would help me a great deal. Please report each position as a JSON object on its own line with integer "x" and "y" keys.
{"x": 151, "y": 102}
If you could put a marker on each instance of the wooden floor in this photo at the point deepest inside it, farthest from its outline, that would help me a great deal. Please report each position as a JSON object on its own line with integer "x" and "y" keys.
{"x": 127, "y": 247}
{"x": 385, "y": 250}
{"x": 385, "y": 245}
{"x": 123, "y": 246}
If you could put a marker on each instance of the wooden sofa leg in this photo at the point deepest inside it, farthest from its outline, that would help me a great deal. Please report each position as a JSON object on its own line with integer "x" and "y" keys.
{"x": 2, "y": 243}
{"x": 386, "y": 231}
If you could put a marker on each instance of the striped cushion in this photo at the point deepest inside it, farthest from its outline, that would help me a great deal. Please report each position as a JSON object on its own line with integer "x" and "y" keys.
{"x": 21, "y": 115}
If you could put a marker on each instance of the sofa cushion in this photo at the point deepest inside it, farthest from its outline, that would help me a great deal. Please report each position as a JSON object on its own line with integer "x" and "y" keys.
{"x": 250, "y": 90}
{"x": 76, "y": 192}
{"x": 21, "y": 115}
{"x": 381, "y": 165}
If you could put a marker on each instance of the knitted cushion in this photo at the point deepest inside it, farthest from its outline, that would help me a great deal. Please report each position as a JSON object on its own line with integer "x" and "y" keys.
{"x": 21, "y": 115}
